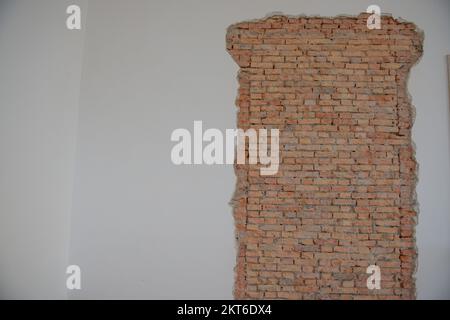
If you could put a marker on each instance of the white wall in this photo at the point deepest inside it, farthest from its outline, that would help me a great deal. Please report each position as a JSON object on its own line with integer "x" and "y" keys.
{"x": 40, "y": 70}
{"x": 142, "y": 227}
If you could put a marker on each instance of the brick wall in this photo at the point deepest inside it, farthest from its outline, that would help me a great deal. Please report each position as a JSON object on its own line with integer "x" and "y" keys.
{"x": 344, "y": 196}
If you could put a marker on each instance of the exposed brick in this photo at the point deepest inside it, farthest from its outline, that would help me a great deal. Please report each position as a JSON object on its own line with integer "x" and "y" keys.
{"x": 343, "y": 197}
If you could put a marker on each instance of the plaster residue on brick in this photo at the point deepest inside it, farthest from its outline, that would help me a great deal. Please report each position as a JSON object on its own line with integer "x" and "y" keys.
{"x": 344, "y": 195}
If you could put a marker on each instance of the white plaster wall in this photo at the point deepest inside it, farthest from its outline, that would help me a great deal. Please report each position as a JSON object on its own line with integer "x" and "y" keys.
{"x": 142, "y": 227}
{"x": 40, "y": 72}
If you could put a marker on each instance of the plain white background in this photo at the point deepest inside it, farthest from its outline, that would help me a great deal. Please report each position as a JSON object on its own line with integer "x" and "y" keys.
{"x": 86, "y": 118}
{"x": 40, "y": 70}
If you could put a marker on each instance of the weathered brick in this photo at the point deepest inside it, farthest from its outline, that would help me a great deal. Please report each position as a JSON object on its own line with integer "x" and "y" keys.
{"x": 343, "y": 198}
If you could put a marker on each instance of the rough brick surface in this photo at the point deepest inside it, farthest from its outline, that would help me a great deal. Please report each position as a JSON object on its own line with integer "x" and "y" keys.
{"x": 344, "y": 196}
